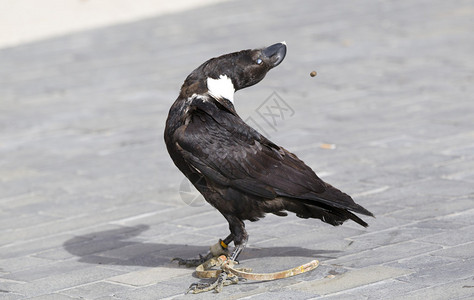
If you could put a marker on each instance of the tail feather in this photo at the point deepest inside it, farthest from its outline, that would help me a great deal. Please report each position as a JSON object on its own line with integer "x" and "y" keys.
{"x": 331, "y": 199}
{"x": 335, "y": 198}
{"x": 329, "y": 214}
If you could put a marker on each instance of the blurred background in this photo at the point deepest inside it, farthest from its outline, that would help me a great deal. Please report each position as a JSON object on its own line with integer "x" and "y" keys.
{"x": 25, "y": 21}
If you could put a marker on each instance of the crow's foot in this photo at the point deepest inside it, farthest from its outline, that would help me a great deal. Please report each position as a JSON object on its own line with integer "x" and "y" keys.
{"x": 215, "y": 250}
{"x": 193, "y": 262}
{"x": 222, "y": 280}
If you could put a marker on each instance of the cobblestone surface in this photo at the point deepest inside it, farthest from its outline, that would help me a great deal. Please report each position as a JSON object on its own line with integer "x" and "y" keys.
{"x": 90, "y": 205}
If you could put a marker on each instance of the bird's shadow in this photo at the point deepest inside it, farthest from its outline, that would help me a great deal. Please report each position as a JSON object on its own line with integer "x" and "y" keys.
{"x": 115, "y": 247}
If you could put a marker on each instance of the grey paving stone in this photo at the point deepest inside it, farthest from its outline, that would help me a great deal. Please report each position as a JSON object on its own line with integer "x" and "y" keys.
{"x": 462, "y": 251}
{"x": 150, "y": 276}
{"x": 37, "y": 272}
{"x": 423, "y": 261}
{"x": 397, "y": 235}
{"x": 386, "y": 289}
{"x": 384, "y": 254}
{"x": 464, "y": 217}
{"x": 53, "y": 296}
{"x": 24, "y": 248}
{"x": 9, "y": 223}
{"x": 7, "y": 287}
{"x": 436, "y": 223}
{"x": 153, "y": 292}
{"x": 95, "y": 290}
{"x": 283, "y": 295}
{"x": 378, "y": 290}
{"x": 351, "y": 279}
{"x": 60, "y": 280}
{"x": 16, "y": 264}
{"x": 345, "y": 296}
{"x": 58, "y": 253}
{"x": 425, "y": 211}
{"x": 209, "y": 218}
{"x": 452, "y": 237}
{"x": 10, "y": 296}
{"x": 442, "y": 273}
{"x": 459, "y": 289}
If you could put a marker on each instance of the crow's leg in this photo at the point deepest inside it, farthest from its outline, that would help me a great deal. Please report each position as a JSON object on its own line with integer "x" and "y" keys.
{"x": 217, "y": 249}
{"x": 237, "y": 229}
{"x": 240, "y": 237}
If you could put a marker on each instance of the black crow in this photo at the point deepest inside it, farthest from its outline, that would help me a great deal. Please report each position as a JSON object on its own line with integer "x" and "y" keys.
{"x": 237, "y": 170}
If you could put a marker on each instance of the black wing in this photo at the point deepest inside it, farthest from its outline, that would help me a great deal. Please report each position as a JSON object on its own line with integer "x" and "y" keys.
{"x": 222, "y": 147}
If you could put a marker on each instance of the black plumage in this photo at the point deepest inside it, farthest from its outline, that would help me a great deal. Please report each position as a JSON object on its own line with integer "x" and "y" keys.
{"x": 237, "y": 170}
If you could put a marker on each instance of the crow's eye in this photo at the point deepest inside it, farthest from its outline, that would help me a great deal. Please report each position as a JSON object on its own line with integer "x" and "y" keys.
{"x": 259, "y": 61}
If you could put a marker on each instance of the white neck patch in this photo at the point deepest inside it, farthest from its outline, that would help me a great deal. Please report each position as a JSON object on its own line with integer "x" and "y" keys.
{"x": 221, "y": 87}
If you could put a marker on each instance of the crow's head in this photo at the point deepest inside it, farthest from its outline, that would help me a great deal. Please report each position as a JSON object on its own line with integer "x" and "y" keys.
{"x": 228, "y": 73}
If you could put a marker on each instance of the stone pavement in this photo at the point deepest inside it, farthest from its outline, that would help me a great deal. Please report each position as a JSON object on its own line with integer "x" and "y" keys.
{"x": 92, "y": 207}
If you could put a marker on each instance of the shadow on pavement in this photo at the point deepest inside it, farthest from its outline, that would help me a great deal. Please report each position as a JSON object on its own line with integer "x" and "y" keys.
{"x": 111, "y": 247}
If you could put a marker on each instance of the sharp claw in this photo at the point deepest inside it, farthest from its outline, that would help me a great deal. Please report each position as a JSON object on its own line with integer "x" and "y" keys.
{"x": 223, "y": 280}
{"x": 196, "y": 288}
{"x": 192, "y": 288}
{"x": 180, "y": 261}
{"x": 193, "y": 262}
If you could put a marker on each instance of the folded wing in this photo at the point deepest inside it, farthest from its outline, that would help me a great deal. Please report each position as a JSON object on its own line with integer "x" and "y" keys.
{"x": 218, "y": 144}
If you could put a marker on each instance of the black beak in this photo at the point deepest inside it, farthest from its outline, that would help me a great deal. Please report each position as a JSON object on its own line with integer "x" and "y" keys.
{"x": 275, "y": 53}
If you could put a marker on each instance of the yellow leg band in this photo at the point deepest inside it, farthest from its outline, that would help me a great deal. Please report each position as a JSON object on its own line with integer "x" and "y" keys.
{"x": 223, "y": 244}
